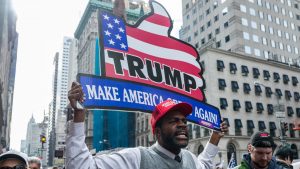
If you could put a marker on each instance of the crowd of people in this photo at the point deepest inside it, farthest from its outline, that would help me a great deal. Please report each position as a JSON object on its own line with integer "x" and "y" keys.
{"x": 169, "y": 126}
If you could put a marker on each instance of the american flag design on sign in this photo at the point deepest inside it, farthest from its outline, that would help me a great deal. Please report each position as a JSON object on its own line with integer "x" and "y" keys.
{"x": 146, "y": 53}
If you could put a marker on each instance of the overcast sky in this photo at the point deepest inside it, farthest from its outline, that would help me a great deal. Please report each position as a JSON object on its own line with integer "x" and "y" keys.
{"x": 41, "y": 25}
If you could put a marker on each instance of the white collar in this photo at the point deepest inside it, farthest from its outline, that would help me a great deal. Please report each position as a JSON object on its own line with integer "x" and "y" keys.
{"x": 166, "y": 152}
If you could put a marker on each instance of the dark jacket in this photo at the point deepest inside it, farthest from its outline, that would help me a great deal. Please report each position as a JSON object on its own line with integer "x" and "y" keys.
{"x": 246, "y": 163}
{"x": 282, "y": 165}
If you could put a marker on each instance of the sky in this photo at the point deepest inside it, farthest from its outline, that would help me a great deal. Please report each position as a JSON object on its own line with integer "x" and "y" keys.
{"x": 41, "y": 25}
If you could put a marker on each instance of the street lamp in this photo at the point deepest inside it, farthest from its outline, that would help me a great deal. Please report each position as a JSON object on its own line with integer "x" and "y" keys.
{"x": 279, "y": 113}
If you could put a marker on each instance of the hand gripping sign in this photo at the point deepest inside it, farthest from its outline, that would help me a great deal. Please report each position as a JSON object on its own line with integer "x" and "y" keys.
{"x": 142, "y": 65}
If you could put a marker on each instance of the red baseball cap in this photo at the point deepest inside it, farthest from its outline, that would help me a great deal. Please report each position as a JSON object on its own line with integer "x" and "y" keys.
{"x": 166, "y": 106}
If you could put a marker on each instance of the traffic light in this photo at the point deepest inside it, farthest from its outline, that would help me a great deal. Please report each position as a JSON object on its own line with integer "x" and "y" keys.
{"x": 284, "y": 128}
{"x": 43, "y": 139}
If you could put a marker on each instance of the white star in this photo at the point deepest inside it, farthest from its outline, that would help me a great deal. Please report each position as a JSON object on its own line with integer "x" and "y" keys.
{"x": 106, "y": 17}
{"x": 118, "y": 36}
{"x": 123, "y": 46}
{"x": 121, "y": 30}
{"x": 117, "y": 21}
{"x": 107, "y": 33}
{"x": 111, "y": 42}
{"x": 109, "y": 25}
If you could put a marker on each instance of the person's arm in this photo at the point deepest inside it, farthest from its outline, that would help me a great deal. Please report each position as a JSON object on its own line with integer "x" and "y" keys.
{"x": 217, "y": 135}
{"x": 77, "y": 153}
{"x": 211, "y": 149}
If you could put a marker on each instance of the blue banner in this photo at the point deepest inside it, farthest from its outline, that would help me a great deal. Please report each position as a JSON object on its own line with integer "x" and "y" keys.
{"x": 114, "y": 94}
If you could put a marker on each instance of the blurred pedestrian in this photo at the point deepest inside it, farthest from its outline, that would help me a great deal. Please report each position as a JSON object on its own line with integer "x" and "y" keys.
{"x": 260, "y": 152}
{"x": 13, "y": 160}
{"x": 34, "y": 163}
{"x": 169, "y": 125}
{"x": 284, "y": 157}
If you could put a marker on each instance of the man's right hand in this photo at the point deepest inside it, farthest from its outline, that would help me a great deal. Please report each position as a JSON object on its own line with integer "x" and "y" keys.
{"x": 76, "y": 95}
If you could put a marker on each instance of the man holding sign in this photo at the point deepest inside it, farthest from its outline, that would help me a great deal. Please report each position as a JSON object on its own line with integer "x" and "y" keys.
{"x": 169, "y": 125}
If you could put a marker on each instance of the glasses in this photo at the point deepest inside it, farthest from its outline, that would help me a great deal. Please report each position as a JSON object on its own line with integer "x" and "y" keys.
{"x": 15, "y": 167}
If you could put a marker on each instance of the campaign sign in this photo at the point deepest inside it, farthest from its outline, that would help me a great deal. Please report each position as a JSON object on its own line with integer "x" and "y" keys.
{"x": 108, "y": 93}
{"x": 146, "y": 59}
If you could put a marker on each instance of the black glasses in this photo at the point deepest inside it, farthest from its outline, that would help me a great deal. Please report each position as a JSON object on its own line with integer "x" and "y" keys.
{"x": 15, "y": 167}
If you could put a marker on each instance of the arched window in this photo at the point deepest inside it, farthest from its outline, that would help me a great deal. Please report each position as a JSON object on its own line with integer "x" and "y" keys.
{"x": 295, "y": 154}
{"x": 200, "y": 149}
{"x": 231, "y": 149}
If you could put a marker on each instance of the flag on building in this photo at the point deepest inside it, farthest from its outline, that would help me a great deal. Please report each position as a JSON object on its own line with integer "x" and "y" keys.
{"x": 232, "y": 162}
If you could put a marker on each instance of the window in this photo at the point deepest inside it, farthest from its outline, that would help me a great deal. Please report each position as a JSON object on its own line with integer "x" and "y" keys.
{"x": 208, "y": 24}
{"x": 279, "y": 33}
{"x": 257, "y": 90}
{"x": 248, "y": 106}
{"x": 273, "y": 128}
{"x": 220, "y": 65}
{"x": 208, "y": 11}
{"x": 288, "y": 95}
{"x": 266, "y": 75}
{"x": 259, "y": 107}
{"x": 292, "y": 132}
{"x": 276, "y": 77}
{"x": 262, "y": 28}
{"x": 243, "y": 8}
{"x": 256, "y": 52}
{"x": 246, "y": 35}
{"x": 268, "y": 5}
{"x": 264, "y": 41}
{"x": 203, "y": 41}
{"x": 216, "y": 18}
{"x": 238, "y": 125}
{"x": 236, "y": 105}
{"x": 253, "y": 24}
{"x": 296, "y": 96}
{"x": 222, "y": 84}
{"x": 290, "y": 111}
{"x": 255, "y": 38}
{"x": 227, "y": 38}
{"x": 209, "y": 36}
{"x": 202, "y": 29}
{"x": 278, "y": 92}
{"x": 252, "y": 11}
{"x": 245, "y": 70}
{"x": 250, "y": 127}
{"x": 261, "y": 125}
{"x": 261, "y": 15}
{"x": 270, "y": 109}
{"x": 226, "y": 24}
{"x": 244, "y": 22}
{"x": 218, "y": 44}
{"x": 298, "y": 112}
{"x": 255, "y": 72}
{"x": 248, "y": 49}
{"x": 268, "y": 91}
{"x": 233, "y": 68}
{"x": 285, "y": 79}
{"x": 247, "y": 88}
{"x": 271, "y": 30}
{"x": 217, "y": 31}
{"x": 234, "y": 86}
{"x": 223, "y": 103}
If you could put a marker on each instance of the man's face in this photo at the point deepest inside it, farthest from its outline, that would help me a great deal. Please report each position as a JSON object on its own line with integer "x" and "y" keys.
{"x": 260, "y": 156}
{"x": 174, "y": 131}
{"x": 34, "y": 166}
{"x": 12, "y": 163}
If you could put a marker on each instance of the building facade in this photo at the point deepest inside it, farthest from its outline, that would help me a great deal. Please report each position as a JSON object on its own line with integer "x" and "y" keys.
{"x": 247, "y": 91}
{"x": 33, "y": 144}
{"x": 259, "y": 75}
{"x": 8, "y": 59}
{"x": 257, "y": 28}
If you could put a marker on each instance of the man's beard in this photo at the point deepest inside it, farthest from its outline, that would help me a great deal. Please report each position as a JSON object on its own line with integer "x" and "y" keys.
{"x": 257, "y": 164}
{"x": 171, "y": 141}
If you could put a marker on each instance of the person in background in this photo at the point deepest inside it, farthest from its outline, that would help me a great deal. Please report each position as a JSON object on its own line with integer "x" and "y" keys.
{"x": 13, "y": 160}
{"x": 34, "y": 163}
{"x": 169, "y": 125}
{"x": 284, "y": 157}
{"x": 260, "y": 152}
